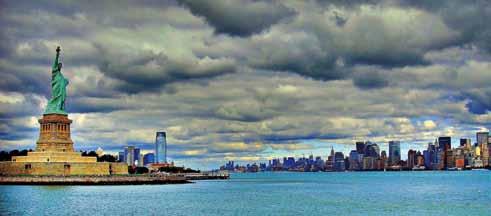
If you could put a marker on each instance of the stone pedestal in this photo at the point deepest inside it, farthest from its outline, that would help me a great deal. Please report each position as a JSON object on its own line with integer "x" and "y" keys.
{"x": 54, "y": 143}
{"x": 55, "y": 156}
{"x": 54, "y": 134}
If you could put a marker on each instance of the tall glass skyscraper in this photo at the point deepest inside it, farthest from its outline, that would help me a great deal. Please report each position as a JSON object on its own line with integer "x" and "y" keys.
{"x": 394, "y": 152}
{"x": 160, "y": 148}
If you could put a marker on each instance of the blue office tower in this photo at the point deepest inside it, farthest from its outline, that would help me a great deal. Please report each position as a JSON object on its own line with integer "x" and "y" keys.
{"x": 148, "y": 158}
{"x": 121, "y": 157}
{"x": 160, "y": 148}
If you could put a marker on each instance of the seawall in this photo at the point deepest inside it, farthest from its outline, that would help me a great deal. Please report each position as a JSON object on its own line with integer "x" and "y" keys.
{"x": 92, "y": 180}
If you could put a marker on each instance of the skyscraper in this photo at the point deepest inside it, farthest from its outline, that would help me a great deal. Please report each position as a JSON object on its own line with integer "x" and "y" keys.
{"x": 160, "y": 148}
{"x": 353, "y": 157}
{"x": 482, "y": 142}
{"x": 360, "y": 147}
{"x": 482, "y": 137}
{"x": 464, "y": 142}
{"x": 411, "y": 158}
{"x": 372, "y": 150}
{"x": 121, "y": 157}
{"x": 444, "y": 144}
{"x": 339, "y": 164}
{"x": 131, "y": 155}
{"x": 394, "y": 152}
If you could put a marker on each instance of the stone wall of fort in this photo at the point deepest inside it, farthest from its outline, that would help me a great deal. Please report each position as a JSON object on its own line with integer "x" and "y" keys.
{"x": 62, "y": 169}
{"x": 119, "y": 168}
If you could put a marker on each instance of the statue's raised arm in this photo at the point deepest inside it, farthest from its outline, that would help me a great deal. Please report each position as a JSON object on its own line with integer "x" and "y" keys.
{"x": 56, "y": 63}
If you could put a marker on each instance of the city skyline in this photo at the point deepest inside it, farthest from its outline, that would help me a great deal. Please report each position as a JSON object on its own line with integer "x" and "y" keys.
{"x": 299, "y": 78}
{"x": 368, "y": 156}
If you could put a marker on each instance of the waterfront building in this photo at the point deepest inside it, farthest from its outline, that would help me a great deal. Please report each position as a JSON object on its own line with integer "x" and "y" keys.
{"x": 441, "y": 159}
{"x": 318, "y": 164}
{"x": 485, "y": 154}
{"x": 465, "y": 142}
{"x": 353, "y": 160}
{"x": 339, "y": 164}
{"x": 140, "y": 161}
{"x": 161, "y": 147}
{"x": 372, "y": 150}
{"x": 444, "y": 144}
{"x": 394, "y": 152}
{"x": 420, "y": 160}
{"x": 482, "y": 137}
{"x": 468, "y": 158}
{"x": 330, "y": 161}
{"x": 411, "y": 158}
{"x": 482, "y": 142}
{"x": 427, "y": 159}
{"x": 148, "y": 158}
{"x": 136, "y": 157}
{"x": 360, "y": 147}
{"x": 383, "y": 160}
{"x": 450, "y": 154}
{"x": 262, "y": 167}
{"x": 430, "y": 156}
{"x": 477, "y": 163}
{"x": 459, "y": 157}
{"x": 121, "y": 157}
{"x": 230, "y": 166}
{"x": 132, "y": 155}
{"x": 369, "y": 163}
{"x": 288, "y": 162}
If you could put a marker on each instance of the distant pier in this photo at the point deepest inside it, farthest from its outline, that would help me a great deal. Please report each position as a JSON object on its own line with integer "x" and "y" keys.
{"x": 209, "y": 175}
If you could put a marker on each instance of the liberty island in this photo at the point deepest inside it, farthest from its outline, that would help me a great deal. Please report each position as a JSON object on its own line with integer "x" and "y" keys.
{"x": 56, "y": 162}
{"x": 54, "y": 154}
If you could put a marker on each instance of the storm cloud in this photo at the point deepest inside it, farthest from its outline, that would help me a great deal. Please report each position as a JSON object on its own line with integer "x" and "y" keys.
{"x": 240, "y": 17}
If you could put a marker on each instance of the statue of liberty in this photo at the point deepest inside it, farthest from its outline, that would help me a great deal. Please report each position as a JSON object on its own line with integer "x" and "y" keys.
{"x": 56, "y": 104}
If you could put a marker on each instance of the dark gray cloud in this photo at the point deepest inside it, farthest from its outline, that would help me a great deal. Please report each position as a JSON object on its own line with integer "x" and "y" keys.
{"x": 470, "y": 18}
{"x": 370, "y": 79}
{"x": 239, "y": 17}
{"x": 17, "y": 105}
{"x": 94, "y": 104}
{"x": 24, "y": 78}
{"x": 479, "y": 100}
{"x": 147, "y": 70}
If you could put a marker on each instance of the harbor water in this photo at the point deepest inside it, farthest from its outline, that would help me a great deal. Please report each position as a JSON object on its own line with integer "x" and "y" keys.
{"x": 269, "y": 193}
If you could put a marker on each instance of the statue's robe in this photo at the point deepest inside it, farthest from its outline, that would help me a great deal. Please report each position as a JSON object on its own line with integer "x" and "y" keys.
{"x": 58, "y": 92}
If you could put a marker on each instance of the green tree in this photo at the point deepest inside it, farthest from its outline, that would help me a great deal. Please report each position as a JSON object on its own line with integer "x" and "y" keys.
{"x": 106, "y": 158}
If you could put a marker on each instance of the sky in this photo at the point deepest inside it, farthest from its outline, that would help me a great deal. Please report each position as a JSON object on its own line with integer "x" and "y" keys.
{"x": 248, "y": 80}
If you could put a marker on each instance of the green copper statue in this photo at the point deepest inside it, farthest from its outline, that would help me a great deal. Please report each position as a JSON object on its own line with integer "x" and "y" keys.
{"x": 56, "y": 104}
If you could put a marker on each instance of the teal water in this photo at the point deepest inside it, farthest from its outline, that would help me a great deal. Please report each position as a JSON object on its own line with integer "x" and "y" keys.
{"x": 352, "y": 193}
